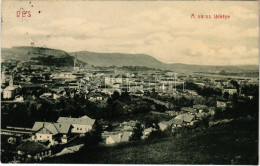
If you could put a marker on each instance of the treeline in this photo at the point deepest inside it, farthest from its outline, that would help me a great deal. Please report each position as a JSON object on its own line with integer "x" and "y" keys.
{"x": 204, "y": 91}
{"x": 40, "y": 109}
{"x": 54, "y": 60}
{"x": 250, "y": 90}
{"x": 244, "y": 107}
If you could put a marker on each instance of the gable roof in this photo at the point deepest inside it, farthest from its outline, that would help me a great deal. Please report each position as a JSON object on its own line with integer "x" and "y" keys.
{"x": 126, "y": 135}
{"x": 179, "y": 117}
{"x": 51, "y": 128}
{"x": 63, "y": 127}
{"x": 188, "y": 109}
{"x": 150, "y": 129}
{"x": 188, "y": 117}
{"x": 164, "y": 123}
{"x": 85, "y": 120}
{"x": 10, "y": 88}
{"x": 185, "y": 117}
{"x": 116, "y": 138}
{"x": 176, "y": 121}
{"x": 45, "y": 128}
{"x": 199, "y": 106}
{"x": 31, "y": 147}
{"x": 199, "y": 115}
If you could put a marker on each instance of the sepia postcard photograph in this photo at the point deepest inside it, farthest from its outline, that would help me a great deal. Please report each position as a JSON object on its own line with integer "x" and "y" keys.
{"x": 130, "y": 82}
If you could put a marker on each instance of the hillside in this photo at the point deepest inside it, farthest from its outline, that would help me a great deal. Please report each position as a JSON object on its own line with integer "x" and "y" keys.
{"x": 118, "y": 59}
{"x": 233, "y": 143}
{"x": 38, "y": 55}
{"x": 121, "y": 59}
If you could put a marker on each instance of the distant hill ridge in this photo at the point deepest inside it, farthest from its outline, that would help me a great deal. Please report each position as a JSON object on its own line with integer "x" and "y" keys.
{"x": 117, "y": 59}
{"x": 26, "y": 53}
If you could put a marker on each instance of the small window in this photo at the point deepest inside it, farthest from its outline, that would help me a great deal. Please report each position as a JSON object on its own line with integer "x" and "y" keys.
{"x": 80, "y": 128}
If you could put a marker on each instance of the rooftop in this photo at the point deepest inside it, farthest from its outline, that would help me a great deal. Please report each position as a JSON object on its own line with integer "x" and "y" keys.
{"x": 51, "y": 128}
{"x": 85, "y": 120}
{"x": 31, "y": 147}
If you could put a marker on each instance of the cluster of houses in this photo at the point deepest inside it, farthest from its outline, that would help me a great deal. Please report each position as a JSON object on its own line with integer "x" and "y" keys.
{"x": 106, "y": 81}
{"x": 121, "y": 132}
{"x": 59, "y": 131}
{"x": 47, "y": 134}
{"x": 186, "y": 117}
{"x": 120, "y": 137}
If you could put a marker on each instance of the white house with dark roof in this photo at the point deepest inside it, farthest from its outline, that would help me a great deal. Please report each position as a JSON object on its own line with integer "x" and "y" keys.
{"x": 79, "y": 125}
{"x": 120, "y": 137}
{"x": 47, "y": 131}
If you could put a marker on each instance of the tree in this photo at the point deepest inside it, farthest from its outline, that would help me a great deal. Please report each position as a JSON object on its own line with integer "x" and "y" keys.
{"x": 173, "y": 101}
{"x": 192, "y": 86}
{"x": 125, "y": 96}
{"x": 250, "y": 90}
{"x": 204, "y": 123}
{"x": 212, "y": 101}
{"x": 115, "y": 95}
{"x": 184, "y": 102}
{"x": 235, "y": 84}
{"x": 226, "y": 95}
{"x": 157, "y": 134}
{"x": 160, "y": 108}
{"x": 137, "y": 133}
{"x": 235, "y": 100}
{"x": 94, "y": 137}
{"x": 97, "y": 131}
{"x": 154, "y": 94}
{"x": 199, "y": 100}
{"x": 151, "y": 122}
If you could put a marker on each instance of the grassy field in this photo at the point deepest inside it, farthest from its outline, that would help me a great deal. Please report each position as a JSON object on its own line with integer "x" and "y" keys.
{"x": 233, "y": 143}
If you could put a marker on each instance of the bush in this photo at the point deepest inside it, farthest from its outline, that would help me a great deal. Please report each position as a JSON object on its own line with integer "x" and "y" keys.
{"x": 137, "y": 133}
{"x": 157, "y": 134}
{"x": 182, "y": 132}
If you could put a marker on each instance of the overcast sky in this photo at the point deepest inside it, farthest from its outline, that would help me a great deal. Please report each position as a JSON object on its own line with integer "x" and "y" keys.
{"x": 161, "y": 29}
